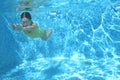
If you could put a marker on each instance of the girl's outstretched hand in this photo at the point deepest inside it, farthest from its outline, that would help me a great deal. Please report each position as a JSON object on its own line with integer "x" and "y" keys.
{"x": 13, "y": 26}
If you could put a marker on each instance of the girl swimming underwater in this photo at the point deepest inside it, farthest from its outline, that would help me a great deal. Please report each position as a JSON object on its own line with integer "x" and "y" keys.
{"x": 30, "y": 28}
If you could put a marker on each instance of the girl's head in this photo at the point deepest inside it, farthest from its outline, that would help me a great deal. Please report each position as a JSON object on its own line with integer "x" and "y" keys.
{"x": 26, "y": 18}
{"x": 26, "y": 15}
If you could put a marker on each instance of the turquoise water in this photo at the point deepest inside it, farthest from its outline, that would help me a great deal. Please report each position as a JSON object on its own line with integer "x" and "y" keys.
{"x": 84, "y": 45}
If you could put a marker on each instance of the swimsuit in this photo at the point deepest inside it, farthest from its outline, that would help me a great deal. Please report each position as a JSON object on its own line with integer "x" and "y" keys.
{"x": 35, "y": 33}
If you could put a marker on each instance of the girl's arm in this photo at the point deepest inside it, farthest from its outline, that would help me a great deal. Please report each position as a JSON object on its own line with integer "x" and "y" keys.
{"x": 20, "y": 27}
{"x": 31, "y": 27}
{"x": 17, "y": 27}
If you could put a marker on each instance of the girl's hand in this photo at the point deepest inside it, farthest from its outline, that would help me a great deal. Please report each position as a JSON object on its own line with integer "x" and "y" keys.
{"x": 17, "y": 26}
{"x": 13, "y": 26}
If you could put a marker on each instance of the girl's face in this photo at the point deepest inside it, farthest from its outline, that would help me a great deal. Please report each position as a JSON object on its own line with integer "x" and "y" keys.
{"x": 25, "y": 21}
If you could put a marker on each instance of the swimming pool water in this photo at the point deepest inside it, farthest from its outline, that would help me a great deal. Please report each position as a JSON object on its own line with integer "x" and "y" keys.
{"x": 84, "y": 45}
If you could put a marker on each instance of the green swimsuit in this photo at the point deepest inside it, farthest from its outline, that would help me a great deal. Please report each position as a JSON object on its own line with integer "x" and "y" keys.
{"x": 35, "y": 33}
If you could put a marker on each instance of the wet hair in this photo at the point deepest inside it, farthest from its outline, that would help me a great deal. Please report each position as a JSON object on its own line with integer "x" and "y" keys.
{"x": 26, "y": 14}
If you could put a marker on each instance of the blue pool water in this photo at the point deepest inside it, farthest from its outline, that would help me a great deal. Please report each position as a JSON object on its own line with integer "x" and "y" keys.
{"x": 84, "y": 45}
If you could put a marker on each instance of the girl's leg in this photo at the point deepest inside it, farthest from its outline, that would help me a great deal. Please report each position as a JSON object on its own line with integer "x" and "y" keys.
{"x": 46, "y": 34}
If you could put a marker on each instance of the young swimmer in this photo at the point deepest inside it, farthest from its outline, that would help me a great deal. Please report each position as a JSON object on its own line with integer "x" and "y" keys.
{"x": 30, "y": 28}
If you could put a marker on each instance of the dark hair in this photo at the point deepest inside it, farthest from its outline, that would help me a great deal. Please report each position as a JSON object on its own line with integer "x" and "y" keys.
{"x": 26, "y": 14}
